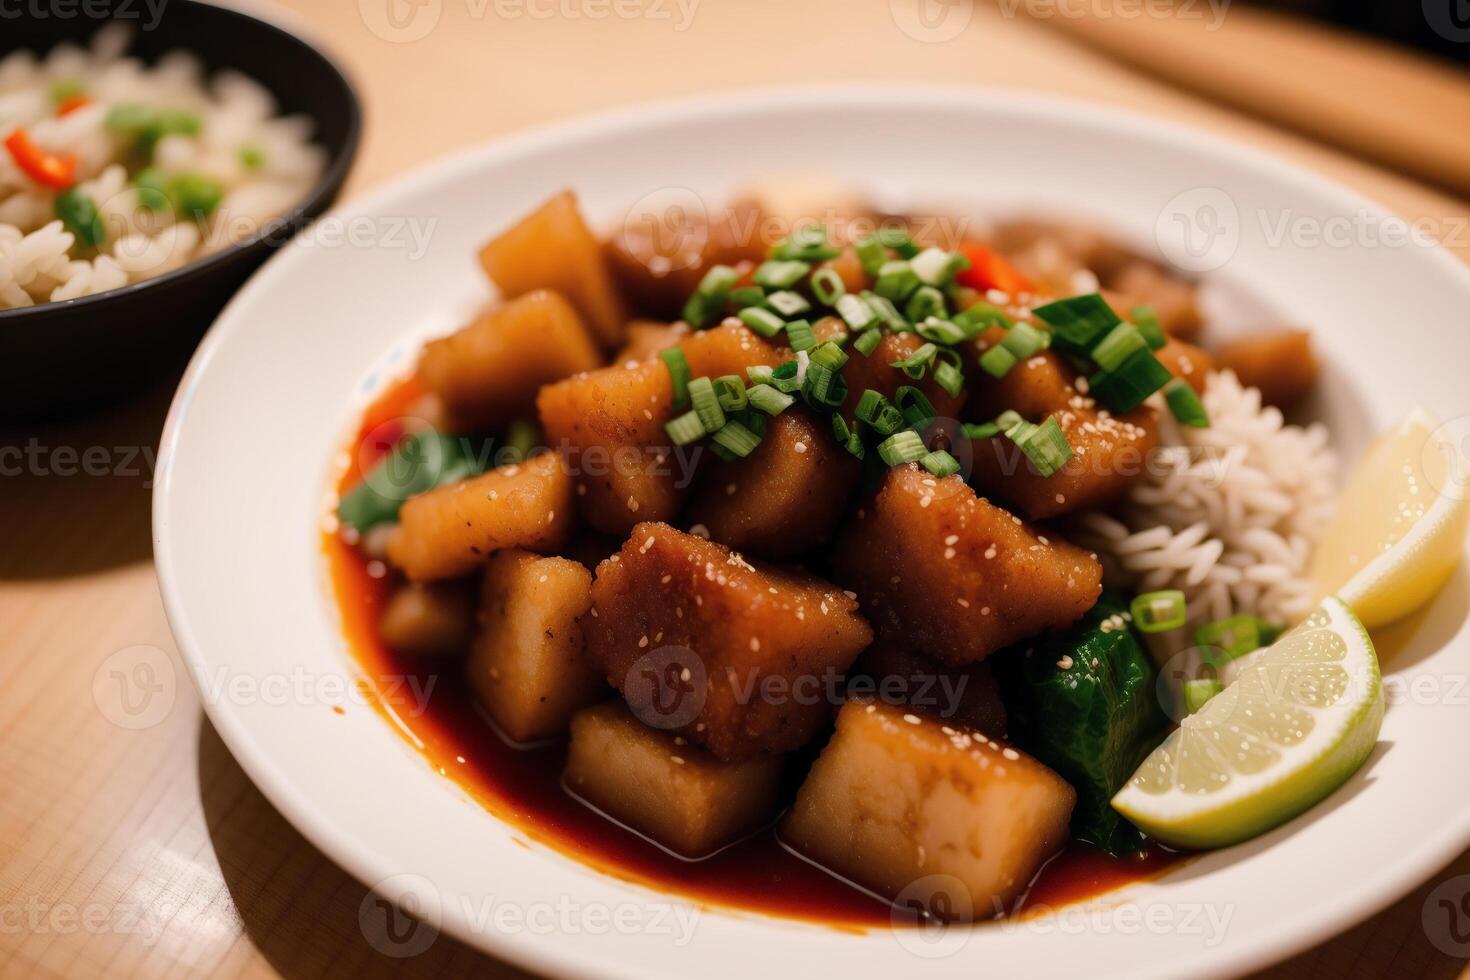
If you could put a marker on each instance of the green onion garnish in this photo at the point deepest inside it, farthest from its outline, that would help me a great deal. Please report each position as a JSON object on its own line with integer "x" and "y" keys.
{"x": 800, "y": 336}
{"x": 152, "y": 188}
{"x": 678, "y": 366}
{"x": 1045, "y": 445}
{"x": 841, "y": 431}
{"x": 916, "y": 363}
{"x": 1147, "y": 322}
{"x": 1185, "y": 404}
{"x": 896, "y": 281}
{"x": 824, "y": 388}
{"x": 855, "y": 444}
{"x": 936, "y": 267}
{"x": 743, "y": 296}
{"x": 981, "y": 315}
{"x": 760, "y": 374}
{"x": 925, "y": 302}
{"x": 785, "y": 377}
{"x": 685, "y": 429}
{"x": 763, "y": 322}
{"x": 827, "y": 286}
{"x": 940, "y": 331}
{"x": 898, "y": 240}
{"x": 868, "y": 341}
{"x": 854, "y": 312}
{"x": 1159, "y": 612}
{"x": 902, "y": 447}
{"x": 787, "y": 303}
{"x": 806, "y": 244}
{"x": 885, "y": 311}
{"x": 980, "y": 430}
{"x": 730, "y": 390}
{"x": 735, "y": 439}
{"x": 1198, "y": 692}
{"x": 1125, "y": 388}
{"x": 917, "y": 409}
{"x": 768, "y": 399}
{"x": 1234, "y": 637}
{"x": 707, "y": 303}
{"x": 949, "y": 377}
{"x": 871, "y": 254}
{"x": 706, "y": 404}
{"x": 997, "y": 362}
{"x": 829, "y": 354}
{"x": 79, "y": 215}
{"x": 1118, "y": 346}
{"x": 940, "y": 463}
{"x": 1079, "y": 322}
{"x": 781, "y": 273}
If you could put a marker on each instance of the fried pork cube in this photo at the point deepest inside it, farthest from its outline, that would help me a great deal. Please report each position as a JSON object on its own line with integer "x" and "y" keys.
{"x": 528, "y": 665}
{"x": 657, "y": 783}
{"x": 610, "y": 424}
{"x": 451, "y": 530}
{"x": 1110, "y": 450}
{"x": 552, "y": 248}
{"x": 647, "y": 337}
{"x": 897, "y": 797}
{"x": 955, "y": 576}
{"x": 429, "y": 619}
{"x": 489, "y": 372}
{"x": 1173, "y": 300}
{"x": 875, "y": 371}
{"x": 1280, "y": 363}
{"x": 659, "y": 257}
{"x": 1184, "y": 360}
{"x": 967, "y": 696}
{"x": 786, "y": 497}
{"x": 701, "y": 642}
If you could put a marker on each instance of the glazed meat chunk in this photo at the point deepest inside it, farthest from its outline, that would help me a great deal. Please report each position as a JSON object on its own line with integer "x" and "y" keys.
{"x": 955, "y": 576}
{"x": 787, "y": 496}
{"x": 897, "y": 797}
{"x": 967, "y": 696}
{"x": 1110, "y": 450}
{"x": 732, "y": 656}
{"x": 1279, "y": 362}
{"x": 451, "y": 530}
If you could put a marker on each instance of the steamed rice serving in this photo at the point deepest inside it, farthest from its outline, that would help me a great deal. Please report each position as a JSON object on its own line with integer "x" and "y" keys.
{"x": 114, "y": 171}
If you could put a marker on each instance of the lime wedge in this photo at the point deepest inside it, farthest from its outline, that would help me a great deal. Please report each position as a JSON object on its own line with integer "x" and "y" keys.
{"x": 1295, "y": 721}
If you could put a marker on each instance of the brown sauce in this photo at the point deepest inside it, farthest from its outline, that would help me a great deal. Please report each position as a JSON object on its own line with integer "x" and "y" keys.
{"x": 522, "y": 786}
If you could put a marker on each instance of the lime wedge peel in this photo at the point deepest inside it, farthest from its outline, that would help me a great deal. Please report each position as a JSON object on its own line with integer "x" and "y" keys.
{"x": 1293, "y": 724}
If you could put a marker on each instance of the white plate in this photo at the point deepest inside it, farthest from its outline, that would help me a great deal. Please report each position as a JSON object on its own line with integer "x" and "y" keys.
{"x": 275, "y": 387}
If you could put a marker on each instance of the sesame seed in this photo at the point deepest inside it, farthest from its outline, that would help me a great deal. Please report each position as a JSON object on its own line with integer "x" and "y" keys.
{"x": 1065, "y": 663}
{"x": 676, "y": 760}
{"x": 1010, "y": 753}
{"x": 911, "y": 719}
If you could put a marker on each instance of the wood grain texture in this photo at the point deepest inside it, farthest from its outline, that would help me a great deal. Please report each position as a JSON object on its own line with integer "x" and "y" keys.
{"x": 146, "y": 852}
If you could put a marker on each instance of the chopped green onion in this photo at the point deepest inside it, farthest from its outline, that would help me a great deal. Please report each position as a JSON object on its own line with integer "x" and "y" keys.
{"x": 980, "y": 430}
{"x": 800, "y": 336}
{"x": 706, "y": 404}
{"x": 252, "y": 157}
{"x": 1185, "y": 404}
{"x": 925, "y": 302}
{"x": 760, "y": 374}
{"x": 902, "y": 447}
{"x": 1198, "y": 692}
{"x": 678, "y": 366}
{"x": 195, "y": 195}
{"x": 854, "y": 312}
{"x": 855, "y": 444}
{"x": 885, "y": 311}
{"x": 940, "y": 331}
{"x": 763, "y": 322}
{"x": 152, "y": 188}
{"x": 981, "y": 315}
{"x": 881, "y": 414}
{"x": 781, "y": 273}
{"x": 916, "y": 408}
{"x": 898, "y": 240}
{"x": 936, "y": 267}
{"x": 949, "y": 377}
{"x": 787, "y": 303}
{"x": 736, "y": 439}
{"x": 841, "y": 431}
{"x": 1234, "y": 637}
{"x": 829, "y": 354}
{"x": 79, "y": 215}
{"x": 1159, "y": 612}
{"x": 708, "y": 300}
{"x": 1024, "y": 340}
{"x": 1147, "y": 322}
{"x": 743, "y": 296}
{"x": 940, "y": 463}
{"x": 1045, "y": 445}
{"x": 916, "y": 363}
{"x": 685, "y": 429}
{"x": 869, "y": 404}
{"x": 808, "y": 244}
{"x": 520, "y": 438}
{"x": 868, "y": 341}
{"x": 66, "y": 88}
{"x": 1124, "y": 389}
{"x": 1079, "y": 322}
{"x": 871, "y": 254}
{"x": 997, "y": 362}
{"x": 824, "y": 387}
{"x": 768, "y": 399}
{"x": 827, "y": 286}
{"x": 785, "y": 377}
{"x": 754, "y": 421}
{"x": 730, "y": 390}
{"x": 1118, "y": 346}
{"x": 896, "y": 280}
{"x": 1009, "y": 419}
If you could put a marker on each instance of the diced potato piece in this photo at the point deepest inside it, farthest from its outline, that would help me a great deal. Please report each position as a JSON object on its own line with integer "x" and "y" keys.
{"x": 429, "y": 619}
{"x": 552, "y": 248}
{"x": 874, "y": 371}
{"x": 451, "y": 530}
{"x": 1110, "y": 450}
{"x": 528, "y": 666}
{"x": 647, "y": 337}
{"x": 678, "y": 794}
{"x": 1184, "y": 360}
{"x": 1173, "y": 300}
{"x": 897, "y": 797}
{"x": 966, "y": 696}
{"x": 787, "y": 496}
{"x": 849, "y": 269}
{"x": 759, "y": 644}
{"x": 610, "y": 423}
{"x": 489, "y": 372}
{"x": 955, "y": 576}
{"x": 660, "y": 256}
{"x": 1280, "y": 363}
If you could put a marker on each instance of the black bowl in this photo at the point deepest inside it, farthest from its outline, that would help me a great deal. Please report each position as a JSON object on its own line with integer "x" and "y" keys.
{"x": 60, "y": 359}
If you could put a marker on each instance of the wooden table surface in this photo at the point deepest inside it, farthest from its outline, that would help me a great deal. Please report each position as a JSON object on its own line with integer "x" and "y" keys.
{"x": 147, "y": 852}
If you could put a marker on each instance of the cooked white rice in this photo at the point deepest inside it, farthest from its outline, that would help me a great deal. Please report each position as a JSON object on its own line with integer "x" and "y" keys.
{"x": 1227, "y": 514}
{"x": 40, "y": 261}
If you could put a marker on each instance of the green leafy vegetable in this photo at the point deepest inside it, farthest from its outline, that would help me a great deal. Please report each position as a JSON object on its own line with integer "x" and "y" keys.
{"x": 418, "y": 462}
